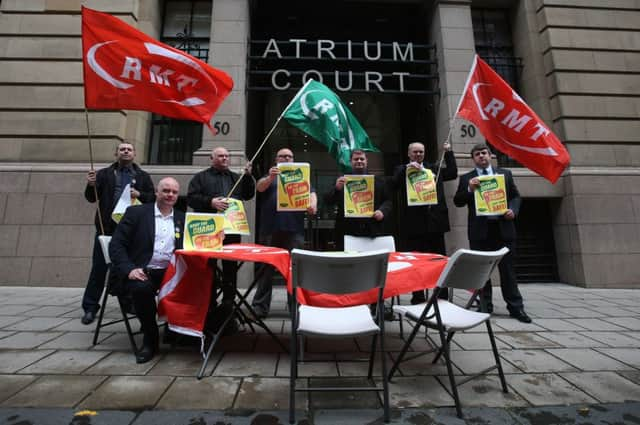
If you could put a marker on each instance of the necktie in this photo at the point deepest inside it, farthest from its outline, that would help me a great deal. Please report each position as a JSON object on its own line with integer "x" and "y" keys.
{"x": 484, "y": 172}
{"x": 125, "y": 177}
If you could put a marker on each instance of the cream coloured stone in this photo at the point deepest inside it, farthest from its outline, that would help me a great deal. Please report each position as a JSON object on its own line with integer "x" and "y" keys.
{"x": 60, "y": 271}
{"x": 63, "y": 241}
{"x": 37, "y": 72}
{"x": 41, "y": 97}
{"x": 24, "y": 208}
{"x": 229, "y": 31}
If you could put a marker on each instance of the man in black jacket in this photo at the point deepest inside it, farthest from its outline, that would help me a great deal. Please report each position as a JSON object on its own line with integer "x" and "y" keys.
{"x": 358, "y": 226}
{"x": 108, "y": 184}
{"x": 422, "y": 227}
{"x": 141, "y": 249}
{"x": 490, "y": 233}
{"x": 207, "y": 193}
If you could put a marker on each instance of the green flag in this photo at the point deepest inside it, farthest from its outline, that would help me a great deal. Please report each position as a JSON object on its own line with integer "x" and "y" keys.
{"x": 320, "y": 113}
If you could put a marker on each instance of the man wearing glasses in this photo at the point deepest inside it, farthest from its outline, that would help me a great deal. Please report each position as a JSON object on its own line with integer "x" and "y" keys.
{"x": 281, "y": 229}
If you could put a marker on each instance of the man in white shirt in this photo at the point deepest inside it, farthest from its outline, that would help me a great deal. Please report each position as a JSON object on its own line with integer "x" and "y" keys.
{"x": 140, "y": 251}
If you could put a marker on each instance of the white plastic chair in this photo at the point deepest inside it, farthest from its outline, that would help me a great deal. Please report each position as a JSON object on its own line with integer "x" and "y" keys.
{"x": 338, "y": 274}
{"x": 104, "y": 245}
{"x": 467, "y": 270}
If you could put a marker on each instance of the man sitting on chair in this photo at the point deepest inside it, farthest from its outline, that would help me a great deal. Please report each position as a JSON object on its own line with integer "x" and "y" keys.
{"x": 140, "y": 251}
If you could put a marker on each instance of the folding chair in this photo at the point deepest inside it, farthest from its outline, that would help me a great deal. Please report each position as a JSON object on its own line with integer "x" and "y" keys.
{"x": 468, "y": 270}
{"x": 338, "y": 274}
{"x": 104, "y": 244}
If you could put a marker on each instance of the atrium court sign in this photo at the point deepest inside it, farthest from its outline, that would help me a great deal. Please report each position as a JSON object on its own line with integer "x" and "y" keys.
{"x": 355, "y": 66}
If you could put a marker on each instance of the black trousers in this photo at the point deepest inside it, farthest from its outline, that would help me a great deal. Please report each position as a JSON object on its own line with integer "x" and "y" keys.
{"x": 143, "y": 294}
{"x": 508, "y": 283}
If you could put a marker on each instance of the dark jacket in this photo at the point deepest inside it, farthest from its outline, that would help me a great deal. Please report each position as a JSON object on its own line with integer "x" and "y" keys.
{"x": 419, "y": 220}
{"x": 362, "y": 226}
{"x": 208, "y": 184}
{"x": 132, "y": 242}
{"x": 477, "y": 226}
{"x": 106, "y": 187}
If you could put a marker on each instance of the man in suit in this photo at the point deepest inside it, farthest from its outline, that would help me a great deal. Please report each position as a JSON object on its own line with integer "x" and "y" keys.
{"x": 357, "y": 226}
{"x": 106, "y": 187}
{"x": 140, "y": 251}
{"x": 490, "y": 233}
{"x": 422, "y": 227}
{"x": 207, "y": 193}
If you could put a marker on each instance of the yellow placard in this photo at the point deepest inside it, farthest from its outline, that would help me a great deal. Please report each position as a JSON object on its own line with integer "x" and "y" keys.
{"x": 421, "y": 187}
{"x": 235, "y": 218}
{"x": 294, "y": 187}
{"x": 203, "y": 232}
{"x": 491, "y": 195}
{"x": 358, "y": 195}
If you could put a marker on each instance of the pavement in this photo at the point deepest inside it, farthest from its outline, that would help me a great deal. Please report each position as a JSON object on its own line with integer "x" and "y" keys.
{"x": 578, "y": 362}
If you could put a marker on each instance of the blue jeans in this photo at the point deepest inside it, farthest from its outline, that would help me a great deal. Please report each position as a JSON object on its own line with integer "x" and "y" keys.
{"x": 97, "y": 277}
{"x": 285, "y": 240}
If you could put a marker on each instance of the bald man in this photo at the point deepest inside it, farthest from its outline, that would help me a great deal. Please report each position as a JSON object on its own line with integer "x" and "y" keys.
{"x": 207, "y": 193}
{"x": 140, "y": 251}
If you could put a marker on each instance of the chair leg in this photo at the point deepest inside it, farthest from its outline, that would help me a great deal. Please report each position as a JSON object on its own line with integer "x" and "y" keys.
{"x": 103, "y": 307}
{"x": 385, "y": 381}
{"x": 372, "y": 355}
{"x": 437, "y": 357}
{"x": 496, "y": 356}
{"x": 404, "y": 350}
{"x": 452, "y": 380}
{"x": 293, "y": 372}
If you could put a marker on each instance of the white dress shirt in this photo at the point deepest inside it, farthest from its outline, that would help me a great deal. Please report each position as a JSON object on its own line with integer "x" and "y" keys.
{"x": 164, "y": 241}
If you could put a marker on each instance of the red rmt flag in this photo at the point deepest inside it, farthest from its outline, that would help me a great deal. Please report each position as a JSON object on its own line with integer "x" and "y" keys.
{"x": 509, "y": 123}
{"x": 126, "y": 69}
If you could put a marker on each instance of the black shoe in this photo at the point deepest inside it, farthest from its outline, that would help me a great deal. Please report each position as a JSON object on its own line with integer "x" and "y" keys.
{"x": 145, "y": 354}
{"x": 521, "y": 316}
{"x": 88, "y": 318}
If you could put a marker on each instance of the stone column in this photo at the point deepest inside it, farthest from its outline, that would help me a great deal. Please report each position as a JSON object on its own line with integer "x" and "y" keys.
{"x": 228, "y": 52}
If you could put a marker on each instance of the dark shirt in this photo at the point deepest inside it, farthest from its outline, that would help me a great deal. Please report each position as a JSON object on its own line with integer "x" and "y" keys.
{"x": 212, "y": 183}
{"x": 271, "y": 220}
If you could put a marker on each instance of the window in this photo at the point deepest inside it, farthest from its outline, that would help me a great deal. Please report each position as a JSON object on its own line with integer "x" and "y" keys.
{"x": 186, "y": 25}
{"x": 493, "y": 43}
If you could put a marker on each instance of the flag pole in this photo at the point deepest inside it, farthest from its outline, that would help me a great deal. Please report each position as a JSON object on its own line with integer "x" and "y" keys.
{"x": 264, "y": 141}
{"x": 95, "y": 187}
{"x": 444, "y": 151}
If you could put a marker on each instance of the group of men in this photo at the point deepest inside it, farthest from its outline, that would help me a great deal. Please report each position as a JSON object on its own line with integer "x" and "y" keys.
{"x": 144, "y": 240}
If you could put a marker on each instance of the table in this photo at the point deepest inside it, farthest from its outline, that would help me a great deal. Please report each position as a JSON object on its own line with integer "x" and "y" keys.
{"x": 187, "y": 281}
{"x": 185, "y": 292}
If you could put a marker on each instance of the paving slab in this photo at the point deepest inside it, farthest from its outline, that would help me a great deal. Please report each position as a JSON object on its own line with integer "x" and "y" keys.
{"x": 65, "y": 362}
{"x": 73, "y": 341}
{"x": 471, "y": 362}
{"x": 596, "y": 325}
{"x": 630, "y": 356}
{"x": 513, "y": 325}
{"x": 571, "y": 339}
{"x": 180, "y": 363}
{"x": 13, "y": 360}
{"x": 15, "y": 309}
{"x": 246, "y": 364}
{"x": 9, "y": 320}
{"x": 27, "y": 340}
{"x": 118, "y": 363}
{"x": 308, "y": 368}
{"x": 579, "y": 415}
{"x": 4, "y": 334}
{"x": 476, "y": 341}
{"x": 631, "y": 375}
{"x": 53, "y": 311}
{"x": 606, "y": 387}
{"x": 612, "y": 339}
{"x": 486, "y": 391}
{"x": 206, "y": 394}
{"x": 535, "y": 361}
{"x": 422, "y": 366}
{"x": 189, "y": 417}
{"x": 127, "y": 392}
{"x": 418, "y": 391}
{"x": 547, "y": 389}
{"x": 37, "y": 324}
{"x": 558, "y": 325}
{"x": 55, "y": 391}
{"x": 587, "y": 359}
{"x": 630, "y": 323}
{"x": 116, "y": 342}
{"x": 62, "y": 416}
{"x": 11, "y": 384}
{"x": 525, "y": 340}
{"x": 268, "y": 394}
{"x": 342, "y": 399}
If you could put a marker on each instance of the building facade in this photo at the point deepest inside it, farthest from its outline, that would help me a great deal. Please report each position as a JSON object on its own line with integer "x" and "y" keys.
{"x": 400, "y": 66}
